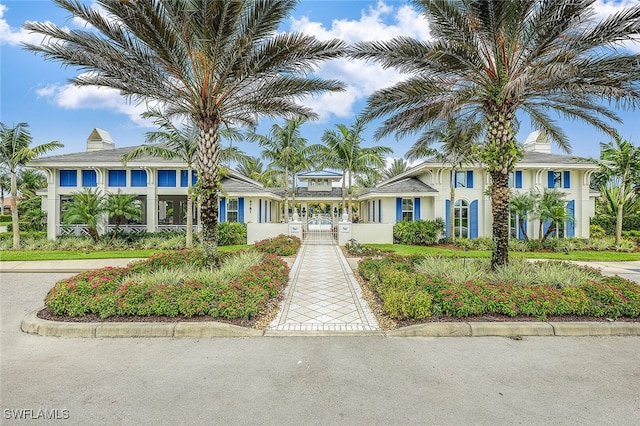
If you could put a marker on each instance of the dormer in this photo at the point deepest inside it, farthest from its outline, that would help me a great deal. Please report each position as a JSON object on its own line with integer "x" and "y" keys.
{"x": 537, "y": 141}
{"x": 319, "y": 180}
{"x": 99, "y": 140}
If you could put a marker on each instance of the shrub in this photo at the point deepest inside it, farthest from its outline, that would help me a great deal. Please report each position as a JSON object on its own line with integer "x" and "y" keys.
{"x": 596, "y": 231}
{"x": 417, "y": 233}
{"x": 232, "y": 233}
{"x": 357, "y": 249}
{"x": 282, "y": 245}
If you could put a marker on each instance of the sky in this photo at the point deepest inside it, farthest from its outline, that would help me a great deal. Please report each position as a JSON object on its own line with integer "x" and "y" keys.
{"x": 37, "y": 92}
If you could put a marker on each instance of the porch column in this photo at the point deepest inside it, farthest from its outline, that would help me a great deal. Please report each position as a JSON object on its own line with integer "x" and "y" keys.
{"x": 152, "y": 201}
{"x": 51, "y": 204}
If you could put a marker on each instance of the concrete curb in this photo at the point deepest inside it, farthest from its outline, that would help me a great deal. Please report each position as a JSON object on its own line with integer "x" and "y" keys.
{"x": 209, "y": 329}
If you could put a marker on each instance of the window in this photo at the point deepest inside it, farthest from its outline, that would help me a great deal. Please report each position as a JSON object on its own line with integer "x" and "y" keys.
{"x": 68, "y": 178}
{"x": 117, "y": 178}
{"x": 515, "y": 179}
{"x": 183, "y": 178}
{"x": 559, "y": 179}
{"x": 167, "y": 178}
{"x": 232, "y": 210}
{"x": 461, "y": 219}
{"x": 407, "y": 209}
{"x": 138, "y": 178}
{"x": 89, "y": 178}
{"x": 464, "y": 179}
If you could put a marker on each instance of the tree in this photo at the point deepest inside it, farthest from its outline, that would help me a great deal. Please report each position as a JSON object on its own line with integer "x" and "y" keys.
{"x": 220, "y": 63}
{"x": 251, "y": 167}
{"x": 457, "y": 140}
{"x": 522, "y": 204}
{"x": 620, "y": 166}
{"x": 287, "y": 150}
{"x": 86, "y": 207}
{"x": 172, "y": 142}
{"x": 30, "y": 181}
{"x": 14, "y": 154}
{"x": 491, "y": 59}
{"x": 344, "y": 152}
{"x": 397, "y": 167}
{"x": 122, "y": 207}
{"x": 551, "y": 209}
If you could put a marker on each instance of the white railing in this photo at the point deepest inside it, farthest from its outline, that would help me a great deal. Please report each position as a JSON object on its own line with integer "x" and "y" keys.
{"x": 128, "y": 229}
{"x": 175, "y": 228}
{"x": 77, "y": 230}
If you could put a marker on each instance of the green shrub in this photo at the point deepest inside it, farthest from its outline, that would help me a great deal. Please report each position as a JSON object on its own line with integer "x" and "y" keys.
{"x": 232, "y": 233}
{"x": 608, "y": 223}
{"x": 596, "y": 231}
{"x": 282, "y": 245}
{"x": 417, "y": 233}
{"x": 5, "y": 217}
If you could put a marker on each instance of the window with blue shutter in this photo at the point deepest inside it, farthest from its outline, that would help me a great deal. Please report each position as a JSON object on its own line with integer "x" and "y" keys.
{"x": 570, "y": 225}
{"x": 89, "y": 178}
{"x": 518, "y": 178}
{"x": 223, "y": 210}
{"x": 447, "y": 221}
{"x": 117, "y": 178}
{"x": 473, "y": 219}
{"x": 241, "y": 210}
{"x": 68, "y": 178}
{"x": 139, "y": 178}
{"x": 167, "y": 178}
{"x": 469, "y": 179}
{"x": 184, "y": 182}
{"x": 566, "y": 180}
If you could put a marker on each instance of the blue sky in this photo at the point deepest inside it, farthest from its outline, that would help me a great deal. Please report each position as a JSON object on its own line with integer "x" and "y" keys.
{"x": 37, "y": 92}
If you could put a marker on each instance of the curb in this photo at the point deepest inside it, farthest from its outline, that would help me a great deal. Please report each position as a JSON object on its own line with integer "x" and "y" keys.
{"x": 31, "y": 324}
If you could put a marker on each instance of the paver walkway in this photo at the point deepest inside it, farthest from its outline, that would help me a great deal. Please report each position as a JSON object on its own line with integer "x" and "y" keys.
{"x": 323, "y": 295}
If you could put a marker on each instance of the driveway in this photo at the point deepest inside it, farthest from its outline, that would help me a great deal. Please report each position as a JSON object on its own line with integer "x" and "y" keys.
{"x": 310, "y": 380}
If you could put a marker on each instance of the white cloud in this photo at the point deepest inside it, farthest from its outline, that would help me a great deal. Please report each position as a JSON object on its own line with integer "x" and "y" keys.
{"x": 605, "y": 8}
{"x": 96, "y": 98}
{"x": 15, "y": 36}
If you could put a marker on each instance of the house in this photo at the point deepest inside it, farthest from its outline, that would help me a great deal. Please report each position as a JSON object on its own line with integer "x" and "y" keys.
{"x": 422, "y": 192}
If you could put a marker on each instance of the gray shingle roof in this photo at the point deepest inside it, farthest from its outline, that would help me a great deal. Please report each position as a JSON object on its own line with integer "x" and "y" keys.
{"x": 407, "y": 185}
{"x": 304, "y": 193}
{"x": 98, "y": 157}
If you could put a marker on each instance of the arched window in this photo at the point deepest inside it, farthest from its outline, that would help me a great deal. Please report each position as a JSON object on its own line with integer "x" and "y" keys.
{"x": 461, "y": 219}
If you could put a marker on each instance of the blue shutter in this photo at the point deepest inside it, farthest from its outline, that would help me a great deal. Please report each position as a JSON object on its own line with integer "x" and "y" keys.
{"x": 398, "y": 209}
{"x": 240, "y": 209}
{"x": 138, "y": 178}
{"x": 184, "y": 179}
{"x": 473, "y": 219}
{"x": 518, "y": 179}
{"x": 447, "y": 205}
{"x": 379, "y": 211}
{"x": 260, "y": 210}
{"x": 89, "y": 178}
{"x": 545, "y": 226}
{"x": 470, "y": 179}
{"x": 550, "y": 179}
{"x": 223, "y": 210}
{"x": 566, "y": 179}
{"x": 569, "y": 226}
{"x": 416, "y": 209}
{"x": 68, "y": 178}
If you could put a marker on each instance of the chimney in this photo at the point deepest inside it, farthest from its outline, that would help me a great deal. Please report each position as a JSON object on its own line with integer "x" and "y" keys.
{"x": 537, "y": 141}
{"x": 99, "y": 140}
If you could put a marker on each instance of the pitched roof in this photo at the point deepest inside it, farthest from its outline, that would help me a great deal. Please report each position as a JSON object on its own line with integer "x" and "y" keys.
{"x": 403, "y": 186}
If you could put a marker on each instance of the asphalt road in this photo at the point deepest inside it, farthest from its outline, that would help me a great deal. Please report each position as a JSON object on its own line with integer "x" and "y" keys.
{"x": 307, "y": 380}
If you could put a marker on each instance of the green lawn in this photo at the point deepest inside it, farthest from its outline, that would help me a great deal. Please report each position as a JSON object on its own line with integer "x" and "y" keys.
{"x": 22, "y": 255}
{"x": 601, "y": 256}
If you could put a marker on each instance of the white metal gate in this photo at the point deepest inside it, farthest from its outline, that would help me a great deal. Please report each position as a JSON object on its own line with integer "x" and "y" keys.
{"x": 320, "y": 229}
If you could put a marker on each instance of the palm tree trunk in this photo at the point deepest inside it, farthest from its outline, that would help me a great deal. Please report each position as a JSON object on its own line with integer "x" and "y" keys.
{"x": 344, "y": 192}
{"x": 500, "y": 212}
{"x": 14, "y": 211}
{"x": 189, "y": 238}
{"x": 619, "y": 223}
{"x": 350, "y": 198}
{"x": 452, "y": 210}
{"x": 522, "y": 228}
{"x": 208, "y": 154}
{"x": 286, "y": 194}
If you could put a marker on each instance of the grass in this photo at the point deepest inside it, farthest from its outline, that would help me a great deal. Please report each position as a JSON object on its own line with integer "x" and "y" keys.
{"x": 601, "y": 256}
{"x": 27, "y": 255}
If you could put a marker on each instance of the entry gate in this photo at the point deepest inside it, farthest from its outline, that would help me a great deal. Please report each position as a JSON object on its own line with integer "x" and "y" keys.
{"x": 320, "y": 229}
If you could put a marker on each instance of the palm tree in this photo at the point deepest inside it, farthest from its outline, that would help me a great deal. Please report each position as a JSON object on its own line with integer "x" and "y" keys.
{"x": 368, "y": 178}
{"x": 251, "y": 167}
{"x": 551, "y": 209}
{"x": 619, "y": 165}
{"x": 491, "y": 59}
{"x": 14, "y": 154}
{"x": 5, "y": 187}
{"x": 86, "y": 207}
{"x": 30, "y": 181}
{"x": 344, "y": 152}
{"x": 522, "y": 204}
{"x": 171, "y": 142}
{"x": 395, "y": 168}
{"x": 284, "y": 146}
{"x": 122, "y": 207}
{"x": 457, "y": 140}
{"x": 220, "y": 63}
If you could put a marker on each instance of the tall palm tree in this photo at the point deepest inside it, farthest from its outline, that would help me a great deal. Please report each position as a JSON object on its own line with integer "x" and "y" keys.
{"x": 86, "y": 207}
{"x": 619, "y": 165}
{"x": 122, "y": 207}
{"x": 14, "y": 154}
{"x": 171, "y": 142}
{"x": 344, "y": 152}
{"x": 30, "y": 181}
{"x": 220, "y": 63}
{"x": 491, "y": 59}
{"x": 457, "y": 139}
{"x": 251, "y": 167}
{"x": 285, "y": 147}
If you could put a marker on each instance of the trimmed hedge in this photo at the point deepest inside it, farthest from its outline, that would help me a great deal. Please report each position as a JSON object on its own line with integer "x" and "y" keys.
{"x": 608, "y": 223}
{"x": 418, "y": 233}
